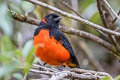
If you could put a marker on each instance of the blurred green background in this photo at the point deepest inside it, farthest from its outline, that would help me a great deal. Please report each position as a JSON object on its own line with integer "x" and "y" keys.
{"x": 16, "y": 47}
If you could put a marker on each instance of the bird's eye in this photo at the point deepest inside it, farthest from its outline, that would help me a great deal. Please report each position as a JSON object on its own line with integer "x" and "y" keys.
{"x": 55, "y": 16}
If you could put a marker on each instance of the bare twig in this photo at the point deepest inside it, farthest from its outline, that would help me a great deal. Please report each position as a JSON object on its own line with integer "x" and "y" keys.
{"x": 83, "y": 71}
{"x": 111, "y": 9}
{"x": 88, "y": 36}
{"x": 68, "y": 74}
{"x": 67, "y": 30}
{"x": 23, "y": 18}
{"x": 87, "y": 71}
{"x": 41, "y": 72}
{"x": 105, "y": 14}
{"x": 116, "y": 17}
{"x": 107, "y": 20}
{"x": 45, "y": 68}
{"x": 69, "y": 7}
{"x": 75, "y": 17}
{"x": 75, "y": 73}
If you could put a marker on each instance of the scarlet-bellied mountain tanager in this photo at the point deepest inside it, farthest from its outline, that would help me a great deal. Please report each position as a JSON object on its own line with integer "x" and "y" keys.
{"x": 53, "y": 46}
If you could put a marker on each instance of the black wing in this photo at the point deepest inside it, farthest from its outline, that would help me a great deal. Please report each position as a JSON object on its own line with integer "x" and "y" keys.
{"x": 59, "y": 36}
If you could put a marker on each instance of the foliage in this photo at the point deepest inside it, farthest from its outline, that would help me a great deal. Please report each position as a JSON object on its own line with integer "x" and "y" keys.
{"x": 11, "y": 59}
{"x": 117, "y": 78}
{"x": 5, "y": 20}
{"x": 108, "y": 78}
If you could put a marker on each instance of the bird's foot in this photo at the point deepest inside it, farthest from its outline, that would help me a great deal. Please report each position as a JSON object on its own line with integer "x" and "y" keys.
{"x": 61, "y": 68}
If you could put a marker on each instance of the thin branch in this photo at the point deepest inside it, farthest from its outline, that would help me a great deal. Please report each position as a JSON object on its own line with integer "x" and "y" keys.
{"x": 72, "y": 31}
{"x": 75, "y": 17}
{"x": 69, "y": 7}
{"x": 116, "y": 17}
{"x": 88, "y": 36}
{"x": 105, "y": 14}
{"x": 75, "y": 73}
{"x": 41, "y": 72}
{"x": 77, "y": 13}
{"x": 44, "y": 68}
{"x": 63, "y": 74}
{"x": 80, "y": 71}
{"x": 23, "y": 18}
{"x": 107, "y": 20}
{"x": 111, "y": 9}
{"x": 83, "y": 71}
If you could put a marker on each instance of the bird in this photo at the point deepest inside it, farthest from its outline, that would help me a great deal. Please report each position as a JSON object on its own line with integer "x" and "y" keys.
{"x": 52, "y": 45}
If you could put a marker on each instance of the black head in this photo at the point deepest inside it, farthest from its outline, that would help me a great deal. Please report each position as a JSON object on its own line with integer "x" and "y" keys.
{"x": 52, "y": 20}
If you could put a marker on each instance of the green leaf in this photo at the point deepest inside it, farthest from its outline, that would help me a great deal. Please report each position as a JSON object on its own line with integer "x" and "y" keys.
{"x": 7, "y": 69}
{"x": 96, "y": 18}
{"x": 5, "y": 20}
{"x": 26, "y": 6}
{"x": 106, "y": 78}
{"x": 27, "y": 47}
{"x": 29, "y": 59}
{"x": 15, "y": 6}
{"x": 18, "y": 76}
{"x": 18, "y": 53}
{"x": 7, "y": 43}
{"x": 8, "y": 60}
{"x": 117, "y": 78}
{"x": 86, "y": 3}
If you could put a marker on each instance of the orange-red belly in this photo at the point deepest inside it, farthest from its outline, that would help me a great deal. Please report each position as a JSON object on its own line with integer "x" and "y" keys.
{"x": 50, "y": 50}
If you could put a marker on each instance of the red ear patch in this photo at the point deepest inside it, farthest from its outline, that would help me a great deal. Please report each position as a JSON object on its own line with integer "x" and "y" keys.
{"x": 43, "y": 20}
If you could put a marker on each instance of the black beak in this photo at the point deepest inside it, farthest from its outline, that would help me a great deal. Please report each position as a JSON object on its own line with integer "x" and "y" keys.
{"x": 57, "y": 19}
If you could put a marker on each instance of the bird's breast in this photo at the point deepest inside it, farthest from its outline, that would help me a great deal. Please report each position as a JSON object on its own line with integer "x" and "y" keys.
{"x": 49, "y": 49}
